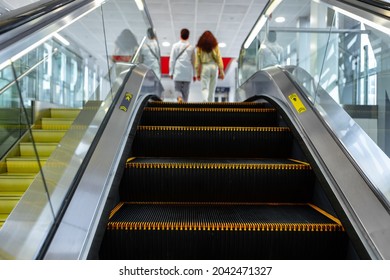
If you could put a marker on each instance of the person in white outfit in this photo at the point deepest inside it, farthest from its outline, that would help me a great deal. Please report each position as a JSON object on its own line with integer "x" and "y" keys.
{"x": 208, "y": 65}
{"x": 150, "y": 53}
{"x": 271, "y": 53}
{"x": 181, "y": 65}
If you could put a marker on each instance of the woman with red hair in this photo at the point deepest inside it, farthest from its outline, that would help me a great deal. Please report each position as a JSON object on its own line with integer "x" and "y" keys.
{"x": 208, "y": 65}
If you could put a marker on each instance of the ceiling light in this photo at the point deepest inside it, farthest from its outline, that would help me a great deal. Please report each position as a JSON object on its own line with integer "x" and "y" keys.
{"x": 140, "y": 4}
{"x": 280, "y": 19}
{"x": 166, "y": 44}
{"x": 222, "y": 45}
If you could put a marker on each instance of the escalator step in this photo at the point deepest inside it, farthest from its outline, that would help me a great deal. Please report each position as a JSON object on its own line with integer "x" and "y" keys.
{"x": 24, "y": 164}
{"x": 183, "y": 141}
{"x": 180, "y": 116}
{"x": 210, "y": 104}
{"x": 222, "y": 231}
{"x": 56, "y": 123}
{"x": 64, "y": 112}
{"x": 207, "y": 180}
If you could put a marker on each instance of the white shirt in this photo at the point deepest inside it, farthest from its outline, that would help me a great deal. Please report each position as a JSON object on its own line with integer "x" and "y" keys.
{"x": 270, "y": 54}
{"x": 182, "y": 67}
{"x": 149, "y": 56}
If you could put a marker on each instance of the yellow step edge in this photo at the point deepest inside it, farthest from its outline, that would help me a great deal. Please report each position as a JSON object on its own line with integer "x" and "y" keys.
{"x": 185, "y": 104}
{"x": 64, "y": 112}
{"x": 213, "y": 128}
{"x": 24, "y": 164}
{"x": 210, "y": 226}
{"x": 15, "y": 183}
{"x": 3, "y": 217}
{"x": 18, "y": 175}
{"x": 48, "y": 136}
{"x": 43, "y": 149}
{"x": 229, "y": 166}
{"x": 208, "y": 110}
{"x": 226, "y": 226}
{"x": 56, "y": 123}
{"x": 17, "y": 195}
{"x": 7, "y": 204}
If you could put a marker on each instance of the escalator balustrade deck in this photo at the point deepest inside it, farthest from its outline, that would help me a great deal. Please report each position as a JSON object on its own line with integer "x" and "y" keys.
{"x": 218, "y": 181}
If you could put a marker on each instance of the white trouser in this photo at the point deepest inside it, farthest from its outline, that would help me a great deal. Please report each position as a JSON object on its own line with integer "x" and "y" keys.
{"x": 209, "y": 81}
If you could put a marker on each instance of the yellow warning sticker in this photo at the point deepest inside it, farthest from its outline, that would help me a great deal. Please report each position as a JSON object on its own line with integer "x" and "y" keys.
{"x": 298, "y": 105}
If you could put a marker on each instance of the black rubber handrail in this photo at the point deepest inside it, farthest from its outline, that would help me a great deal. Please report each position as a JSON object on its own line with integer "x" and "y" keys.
{"x": 377, "y": 3}
{"x": 23, "y": 15}
{"x": 377, "y": 7}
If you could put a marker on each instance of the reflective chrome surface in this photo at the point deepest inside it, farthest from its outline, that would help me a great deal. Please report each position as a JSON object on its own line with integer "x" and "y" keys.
{"x": 367, "y": 214}
{"x": 337, "y": 50}
{"x": 62, "y": 59}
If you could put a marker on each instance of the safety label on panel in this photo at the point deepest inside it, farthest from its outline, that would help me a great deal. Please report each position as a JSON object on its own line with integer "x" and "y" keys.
{"x": 297, "y": 103}
{"x": 126, "y": 101}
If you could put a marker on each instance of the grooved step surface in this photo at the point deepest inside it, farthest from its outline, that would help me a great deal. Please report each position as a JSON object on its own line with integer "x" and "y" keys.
{"x": 56, "y": 123}
{"x": 64, "y": 112}
{"x": 217, "y": 163}
{"x": 24, "y": 164}
{"x": 48, "y": 136}
{"x": 7, "y": 204}
{"x": 223, "y": 216}
{"x": 192, "y": 179}
{"x": 22, "y": 167}
{"x": 43, "y": 149}
{"x": 176, "y": 116}
{"x": 244, "y": 142}
{"x": 209, "y": 104}
{"x": 218, "y": 181}
{"x": 11, "y": 182}
{"x": 222, "y": 232}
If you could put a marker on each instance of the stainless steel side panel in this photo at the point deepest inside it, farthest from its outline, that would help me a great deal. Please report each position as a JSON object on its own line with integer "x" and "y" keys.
{"x": 74, "y": 236}
{"x": 369, "y": 217}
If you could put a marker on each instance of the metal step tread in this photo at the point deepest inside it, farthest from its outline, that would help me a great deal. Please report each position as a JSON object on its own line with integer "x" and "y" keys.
{"x": 43, "y": 149}
{"x": 56, "y": 123}
{"x": 209, "y": 104}
{"x": 11, "y": 194}
{"x": 216, "y": 163}
{"x": 209, "y": 109}
{"x": 64, "y": 112}
{"x": 213, "y": 128}
{"x": 222, "y": 216}
{"x": 11, "y": 176}
{"x": 3, "y": 217}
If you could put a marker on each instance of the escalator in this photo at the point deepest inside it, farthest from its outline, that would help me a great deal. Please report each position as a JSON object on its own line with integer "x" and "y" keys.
{"x": 21, "y": 162}
{"x": 202, "y": 181}
{"x": 219, "y": 181}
